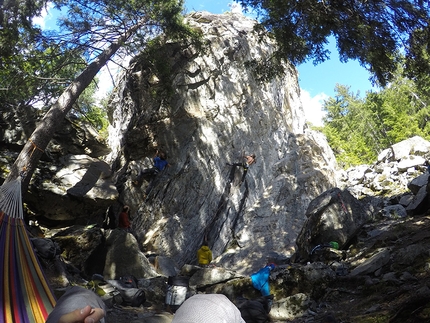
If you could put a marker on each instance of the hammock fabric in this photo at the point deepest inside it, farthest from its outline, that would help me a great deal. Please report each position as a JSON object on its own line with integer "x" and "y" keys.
{"x": 25, "y": 294}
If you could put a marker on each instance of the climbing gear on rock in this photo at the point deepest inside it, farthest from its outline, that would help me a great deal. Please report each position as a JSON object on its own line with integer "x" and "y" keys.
{"x": 331, "y": 244}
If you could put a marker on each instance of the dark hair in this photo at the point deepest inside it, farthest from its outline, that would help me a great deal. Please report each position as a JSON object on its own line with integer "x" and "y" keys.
{"x": 126, "y": 208}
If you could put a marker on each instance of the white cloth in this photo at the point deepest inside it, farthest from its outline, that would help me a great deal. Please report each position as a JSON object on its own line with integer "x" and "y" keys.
{"x": 208, "y": 308}
{"x": 74, "y": 298}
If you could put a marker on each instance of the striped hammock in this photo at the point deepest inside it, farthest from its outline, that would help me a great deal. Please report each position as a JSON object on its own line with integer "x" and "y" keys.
{"x": 25, "y": 296}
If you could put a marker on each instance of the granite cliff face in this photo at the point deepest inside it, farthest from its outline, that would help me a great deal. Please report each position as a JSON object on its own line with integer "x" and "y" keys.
{"x": 211, "y": 110}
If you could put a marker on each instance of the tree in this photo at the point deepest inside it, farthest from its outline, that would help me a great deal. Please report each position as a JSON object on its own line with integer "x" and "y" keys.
{"x": 33, "y": 68}
{"x": 97, "y": 29}
{"x": 359, "y": 129}
{"x": 349, "y": 128}
{"x": 87, "y": 108}
{"x": 15, "y": 19}
{"x": 370, "y": 31}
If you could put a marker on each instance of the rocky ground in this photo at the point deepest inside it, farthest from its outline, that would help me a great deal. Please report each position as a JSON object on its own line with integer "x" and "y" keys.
{"x": 391, "y": 289}
{"x": 398, "y": 291}
{"x": 147, "y": 313}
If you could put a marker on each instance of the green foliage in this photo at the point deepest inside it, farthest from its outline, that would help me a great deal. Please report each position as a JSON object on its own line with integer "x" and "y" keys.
{"x": 37, "y": 74}
{"x": 94, "y": 23}
{"x": 16, "y": 20}
{"x": 86, "y": 108}
{"x": 372, "y": 32}
{"x": 346, "y": 126}
{"x": 36, "y": 66}
{"x": 359, "y": 129}
{"x": 33, "y": 68}
{"x": 418, "y": 66}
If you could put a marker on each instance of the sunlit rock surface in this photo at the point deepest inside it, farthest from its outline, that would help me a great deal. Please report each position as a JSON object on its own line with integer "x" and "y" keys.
{"x": 214, "y": 110}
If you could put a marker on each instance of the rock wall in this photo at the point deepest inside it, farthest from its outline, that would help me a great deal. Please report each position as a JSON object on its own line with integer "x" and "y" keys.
{"x": 212, "y": 110}
{"x": 72, "y": 185}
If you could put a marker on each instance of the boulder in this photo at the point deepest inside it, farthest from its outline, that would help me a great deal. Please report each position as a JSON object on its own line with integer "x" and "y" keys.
{"x": 290, "y": 307}
{"x": 211, "y": 108}
{"x": 418, "y": 182}
{"x": 165, "y": 266}
{"x": 82, "y": 246}
{"x": 124, "y": 258}
{"x": 415, "y": 146}
{"x": 336, "y": 216}
{"x": 419, "y": 203}
{"x": 410, "y": 161}
{"x": 393, "y": 211}
{"x": 390, "y": 175}
{"x": 79, "y": 191}
{"x": 372, "y": 264}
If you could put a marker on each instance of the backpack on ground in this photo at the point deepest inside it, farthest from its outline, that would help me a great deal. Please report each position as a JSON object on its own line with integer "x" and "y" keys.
{"x": 254, "y": 311}
{"x": 133, "y": 296}
{"x": 128, "y": 281}
{"x": 46, "y": 248}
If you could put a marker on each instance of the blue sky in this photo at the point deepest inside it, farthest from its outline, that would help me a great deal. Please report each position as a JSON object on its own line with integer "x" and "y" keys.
{"x": 317, "y": 83}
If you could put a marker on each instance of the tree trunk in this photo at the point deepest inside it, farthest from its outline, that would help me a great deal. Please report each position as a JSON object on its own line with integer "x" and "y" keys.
{"x": 29, "y": 156}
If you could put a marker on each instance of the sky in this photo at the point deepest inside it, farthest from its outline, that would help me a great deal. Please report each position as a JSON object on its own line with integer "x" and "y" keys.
{"x": 317, "y": 83}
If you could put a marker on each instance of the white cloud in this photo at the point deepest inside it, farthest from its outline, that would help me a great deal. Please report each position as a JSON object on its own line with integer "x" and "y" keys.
{"x": 107, "y": 74}
{"x": 44, "y": 16}
{"x": 313, "y": 107}
{"x": 235, "y": 7}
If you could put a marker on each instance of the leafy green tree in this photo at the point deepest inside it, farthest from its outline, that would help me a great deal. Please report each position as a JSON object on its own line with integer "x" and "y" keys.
{"x": 347, "y": 127}
{"x": 33, "y": 67}
{"x": 418, "y": 64}
{"x": 359, "y": 129}
{"x": 399, "y": 107}
{"x": 37, "y": 74}
{"x": 370, "y": 31}
{"x": 15, "y": 20}
{"x": 88, "y": 109}
{"x": 97, "y": 30}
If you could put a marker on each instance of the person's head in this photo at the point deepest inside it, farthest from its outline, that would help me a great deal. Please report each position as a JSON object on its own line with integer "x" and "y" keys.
{"x": 126, "y": 208}
{"x": 162, "y": 155}
{"x": 205, "y": 243}
{"x": 253, "y": 156}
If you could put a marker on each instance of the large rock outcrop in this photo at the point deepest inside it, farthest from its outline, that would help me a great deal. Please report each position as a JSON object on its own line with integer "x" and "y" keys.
{"x": 72, "y": 183}
{"x": 212, "y": 109}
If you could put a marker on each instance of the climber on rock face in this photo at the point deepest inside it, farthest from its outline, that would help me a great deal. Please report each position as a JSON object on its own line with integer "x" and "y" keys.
{"x": 249, "y": 160}
{"x": 160, "y": 163}
{"x": 124, "y": 219}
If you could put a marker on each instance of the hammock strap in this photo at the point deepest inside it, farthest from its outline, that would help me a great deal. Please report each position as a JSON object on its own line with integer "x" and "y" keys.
{"x": 10, "y": 199}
